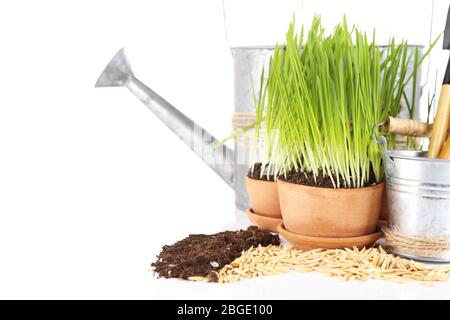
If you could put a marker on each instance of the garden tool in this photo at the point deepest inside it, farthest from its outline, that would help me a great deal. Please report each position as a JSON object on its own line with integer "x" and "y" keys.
{"x": 442, "y": 118}
{"x": 408, "y": 127}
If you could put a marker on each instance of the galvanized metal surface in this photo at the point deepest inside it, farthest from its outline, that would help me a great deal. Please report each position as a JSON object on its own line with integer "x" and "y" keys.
{"x": 442, "y": 258}
{"x": 418, "y": 193}
{"x": 220, "y": 158}
{"x": 248, "y": 65}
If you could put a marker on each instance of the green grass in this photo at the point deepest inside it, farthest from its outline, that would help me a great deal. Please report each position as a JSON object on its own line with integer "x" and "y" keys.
{"x": 322, "y": 97}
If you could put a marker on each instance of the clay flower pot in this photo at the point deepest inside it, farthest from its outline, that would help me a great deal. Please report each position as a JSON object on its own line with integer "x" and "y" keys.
{"x": 326, "y": 212}
{"x": 309, "y": 243}
{"x": 263, "y": 196}
{"x": 264, "y": 222}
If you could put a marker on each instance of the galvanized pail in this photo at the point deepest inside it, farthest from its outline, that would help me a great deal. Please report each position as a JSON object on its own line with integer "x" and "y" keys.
{"x": 418, "y": 195}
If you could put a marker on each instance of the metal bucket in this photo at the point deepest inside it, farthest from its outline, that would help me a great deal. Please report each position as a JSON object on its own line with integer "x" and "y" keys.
{"x": 418, "y": 195}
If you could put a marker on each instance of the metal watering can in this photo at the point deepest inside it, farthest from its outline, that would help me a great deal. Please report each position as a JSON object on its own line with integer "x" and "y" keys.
{"x": 230, "y": 165}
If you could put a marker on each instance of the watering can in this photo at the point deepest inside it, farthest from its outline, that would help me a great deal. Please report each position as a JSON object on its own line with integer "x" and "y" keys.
{"x": 230, "y": 165}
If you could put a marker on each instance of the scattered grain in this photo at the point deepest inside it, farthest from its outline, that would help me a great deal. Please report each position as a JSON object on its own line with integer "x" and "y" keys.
{"x": 347, "y": 264}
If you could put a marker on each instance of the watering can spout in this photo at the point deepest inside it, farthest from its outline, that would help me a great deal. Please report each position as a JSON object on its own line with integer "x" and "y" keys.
{"x": 217, "y": 156}
{"x": 117, "y": 72}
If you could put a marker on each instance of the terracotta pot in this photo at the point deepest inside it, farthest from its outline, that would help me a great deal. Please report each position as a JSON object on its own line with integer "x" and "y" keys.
{"x": 326, "y": 212}
{"x": 264, "y": 197}
{"x": 384, "y": 206}
{"x": 309, "y": 243}
{"x": 264, "y": 222}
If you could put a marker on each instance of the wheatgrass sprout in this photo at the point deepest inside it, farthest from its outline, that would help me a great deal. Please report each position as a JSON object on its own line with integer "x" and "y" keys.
{"x": 322, "y": 97}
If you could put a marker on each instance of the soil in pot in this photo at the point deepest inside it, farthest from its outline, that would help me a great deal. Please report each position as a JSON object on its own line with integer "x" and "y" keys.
{"x": 255, "y": 173}
{"x": 202, "y": 255}
{"x": 321, "y": 181}
{"x": 263, "y": 194}
{"x": 328, "y": 212}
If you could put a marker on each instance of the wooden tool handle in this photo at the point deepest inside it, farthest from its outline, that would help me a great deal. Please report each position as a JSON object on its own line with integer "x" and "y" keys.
{"x": 441, "y": 121}
{"x": 407, "y": 127}
{"x": 445, "y": 152}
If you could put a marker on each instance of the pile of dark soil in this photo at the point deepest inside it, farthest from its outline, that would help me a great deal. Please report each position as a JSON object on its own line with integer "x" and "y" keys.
{"x": 321, "y": 181}
{"x": 256, "y": 173}
{"x": 201, "y": 255}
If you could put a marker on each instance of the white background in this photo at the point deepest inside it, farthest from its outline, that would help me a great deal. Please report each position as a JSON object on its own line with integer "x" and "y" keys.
{"x": 92, "y": 184}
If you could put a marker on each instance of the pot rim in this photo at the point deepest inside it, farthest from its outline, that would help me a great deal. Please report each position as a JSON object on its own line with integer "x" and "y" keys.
{"x": 336, "y": 190}
{"x": 262, "y": 216}
{"x": 261, "y": 180}
{"x": 412, "y": 155}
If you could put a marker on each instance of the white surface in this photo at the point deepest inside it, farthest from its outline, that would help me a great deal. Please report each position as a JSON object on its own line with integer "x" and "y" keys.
{"x": 91, "y": 183}
{"x": 301, "y": 286}
{"x": 400, "y": 20}
{"x": 298, "y": 286}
